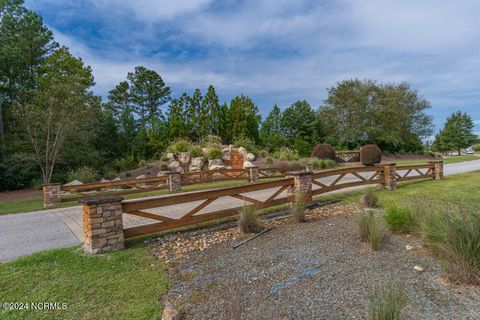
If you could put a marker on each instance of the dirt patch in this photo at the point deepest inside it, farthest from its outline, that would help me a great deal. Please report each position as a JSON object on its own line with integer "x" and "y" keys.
{"x": 18, "y": 195}
{"x": 313, "y": 270}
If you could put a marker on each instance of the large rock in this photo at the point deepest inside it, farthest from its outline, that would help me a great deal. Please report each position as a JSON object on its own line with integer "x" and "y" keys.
{"x": 142, "y": 176}
{"x": 116, "y": 187}
{"x": 248, "y": 164}
{"x": 227, "y": 154}
{"x": 104, "y": 180}
{"x": 170, "y": 156}
{"x": 243, "y": 152}
{"x": 250, "y": 157}
{"x": 197, "y": 164}
{"x": 184, "y": 158}
{"x": 162, "y": 173}
{"x": 216, "y": 164}
{"x": 174, "y": 166}
{"x": 74, "y": 183}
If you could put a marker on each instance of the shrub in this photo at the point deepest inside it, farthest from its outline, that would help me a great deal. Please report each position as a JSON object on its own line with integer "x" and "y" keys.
{"x": 263, "y": 153}
{"x": 399, "y": 219}
{"x": 247, "y": 144}
{"x": 319, "y": 164}
{"x": 370, "y": 229}
{"x": 298, "y": 208}
{"x": 369, "y": 198}
{"x": 387, "y": 302}
{"x": 163, "y": 166}
{"x": 196, "y": 152}
{"x": 453, "y": 234}
{"x": 268, "y": 161}
{"x": 142, "y": 163}
{"x": 248, "y": 220}
{"x": 124, "y": 164}
{"x": 214, "y": 154}
{"x": 179, "y": 145}
{"x": 286, "y": 154}
{"x": 330, "y": 163}
{"x": 370, "y": 154}
{"x": 476, "y": 147}
{"x": 84, "y": 174}
{"x": 324, "y": 151}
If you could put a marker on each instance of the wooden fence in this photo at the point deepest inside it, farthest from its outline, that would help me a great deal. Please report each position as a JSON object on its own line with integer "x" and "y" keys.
{"x": 200, "y": 206}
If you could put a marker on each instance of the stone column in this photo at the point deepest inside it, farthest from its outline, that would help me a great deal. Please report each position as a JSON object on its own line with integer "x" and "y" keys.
{"x": 302, "y": 183}
{"x": 253, "y": 174}
{"x": 309, "y": 167}
{"x": 51, "y": 194}
{"x": 389, "y": 176}
{"x": 174, "y": 182}
{"x": 437, "y": 170}
{"x": 102, "y": 223}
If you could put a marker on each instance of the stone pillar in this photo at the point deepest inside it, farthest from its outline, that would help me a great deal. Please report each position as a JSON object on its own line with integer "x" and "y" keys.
{"x": 309, "y": 167}
{"x": 51, "y": 194}
{"x": 174, "y": 182}
{"x": 437, "y": 169}
{"x": 302, "y": 183}
{"x": 389, "y": 176}
{"x": 102, "y": 223}
{"x": 253, "y": 174}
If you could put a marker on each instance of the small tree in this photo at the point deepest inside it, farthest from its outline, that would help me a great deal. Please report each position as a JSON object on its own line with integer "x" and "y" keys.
{"x": 457, "y": 133}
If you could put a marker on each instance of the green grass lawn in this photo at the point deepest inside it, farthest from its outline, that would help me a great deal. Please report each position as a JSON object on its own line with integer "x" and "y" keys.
{"x": 35, "y": 204}
{"x": 450, "y": 159}
{"x": 126, "y": 284}
{"x": 451, "y": 189}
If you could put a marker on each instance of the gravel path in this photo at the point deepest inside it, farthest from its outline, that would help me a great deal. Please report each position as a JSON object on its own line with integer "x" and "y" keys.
{"x": 315, "y": 270}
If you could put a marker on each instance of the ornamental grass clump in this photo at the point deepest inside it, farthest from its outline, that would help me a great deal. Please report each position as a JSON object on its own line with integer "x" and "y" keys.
{"x": 453, "y": 234}
{"x": 387, "y": 302}
{"x": 371, "y": 229}
{"x": 400, "y": 219}
{"x": 369, "y": 199}
{"x": 298, "y": 208}
{"x": 248, "y": 221}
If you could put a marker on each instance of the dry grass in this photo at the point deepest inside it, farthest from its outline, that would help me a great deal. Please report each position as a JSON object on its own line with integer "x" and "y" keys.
{"x": 369, "y": 199}
{"x": 371, "y": 229}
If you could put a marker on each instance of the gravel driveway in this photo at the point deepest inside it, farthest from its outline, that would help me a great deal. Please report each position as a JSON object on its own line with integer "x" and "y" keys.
{"x": 315, "y": 270}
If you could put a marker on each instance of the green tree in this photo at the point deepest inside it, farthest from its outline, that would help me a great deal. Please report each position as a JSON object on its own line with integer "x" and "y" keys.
{"x": 225, "y": 124}
{"x": 271, "y": 133}
{"x": 148, "y": 93}
{"x": 58, "y": 109}
{"x": 245, "y": 118}
{"x": 194, "y": 115}
{"x": 212, "y": 108}
{"x": 457, "y": 133}
{"x": 296, "y": 118}
{"x": 177, "y": 122}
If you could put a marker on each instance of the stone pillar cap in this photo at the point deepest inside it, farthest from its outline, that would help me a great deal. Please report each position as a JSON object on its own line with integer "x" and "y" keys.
{"x": 96, "y": 200}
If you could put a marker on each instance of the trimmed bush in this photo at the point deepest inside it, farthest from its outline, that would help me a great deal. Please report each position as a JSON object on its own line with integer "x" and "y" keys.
{"x": 387, "y": 302}
{"x": 370, "y": 154}
{"x": 399, "y": 219}
{"x": 248, "y": 220}
{"x": 214, "y": 154}
{"x": 453, "y": 234}
{"x": 369, "y": 198}
{"x": 84, "y": 174}
{"x": 324, "y": 151}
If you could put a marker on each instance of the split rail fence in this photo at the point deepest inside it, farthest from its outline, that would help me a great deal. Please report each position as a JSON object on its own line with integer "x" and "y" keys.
{"x": 188, "y": 209}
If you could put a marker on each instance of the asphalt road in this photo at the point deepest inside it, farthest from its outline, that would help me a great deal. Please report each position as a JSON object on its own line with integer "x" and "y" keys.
{"x": 26, "y": 233}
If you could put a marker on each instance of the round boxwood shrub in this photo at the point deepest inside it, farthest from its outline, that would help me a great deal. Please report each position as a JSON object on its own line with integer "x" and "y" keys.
{"x": 323, "y": 151}
{"x": 370, "y": 154}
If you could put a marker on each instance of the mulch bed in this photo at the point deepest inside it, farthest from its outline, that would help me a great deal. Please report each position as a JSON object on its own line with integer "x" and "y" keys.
{"x": 313, "y": 270}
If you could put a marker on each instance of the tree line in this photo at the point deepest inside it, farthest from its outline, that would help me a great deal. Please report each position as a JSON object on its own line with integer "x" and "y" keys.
{"x": 51, "y": 122}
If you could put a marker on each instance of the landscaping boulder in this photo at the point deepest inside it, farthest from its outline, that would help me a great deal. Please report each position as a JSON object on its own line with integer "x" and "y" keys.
{"x": 116, "y": 187}
{"x": 184, "y": 158}
{"x": 175, "y": 166}
{"x": 216, "y": 164}
{"x": 250, "y": 157}
{"x": 197, "y": 164}
{"x": 104, "y": 180}
{"x": 227, "y": 154}
{"x": 74, "y": 183}
{"x": 248, "y": 164}
{"x": 141, "y": 177}
{"x": 162, "y": 173}
{"x": 170, "y": 156}
{"x": 243, "y": 152}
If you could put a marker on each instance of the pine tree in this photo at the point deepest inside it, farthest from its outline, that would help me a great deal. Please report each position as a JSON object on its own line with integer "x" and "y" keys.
{"x": 457, "y": 133}
{"x": 225, "y": 124}
{"x": 177, "y": 122}
{"x": 245, "y": 118}
{"x": 212, "y": 107}
{"x": 193, "y": 115}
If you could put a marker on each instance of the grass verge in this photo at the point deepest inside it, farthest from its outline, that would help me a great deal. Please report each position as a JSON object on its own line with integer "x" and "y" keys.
{"x": 450, "y": 159}
{"x": 126, "y": 284}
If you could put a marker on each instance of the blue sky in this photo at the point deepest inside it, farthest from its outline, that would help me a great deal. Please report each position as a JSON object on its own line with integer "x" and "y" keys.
{"x": 278, "y": 51}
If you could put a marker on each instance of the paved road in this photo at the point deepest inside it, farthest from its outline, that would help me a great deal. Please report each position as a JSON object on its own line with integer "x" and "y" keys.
{"x": 26, "y": 233}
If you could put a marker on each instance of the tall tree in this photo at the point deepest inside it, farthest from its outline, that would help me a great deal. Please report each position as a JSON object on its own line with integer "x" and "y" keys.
{"x": 457, "y": 133}
{"x": 297, "y": 117}
{"x": 212, "y": 108}
{"x": 273, "y": 122}
{"x": 245, "y": 118}
{"x": 148, "y": 93}
{"x": 25, "y": 42}
{"x": 225, "y": 124}
{"x": 58, "y": 108}
{"x": 177, "y": 122}
{"x": 194, "y": 115}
